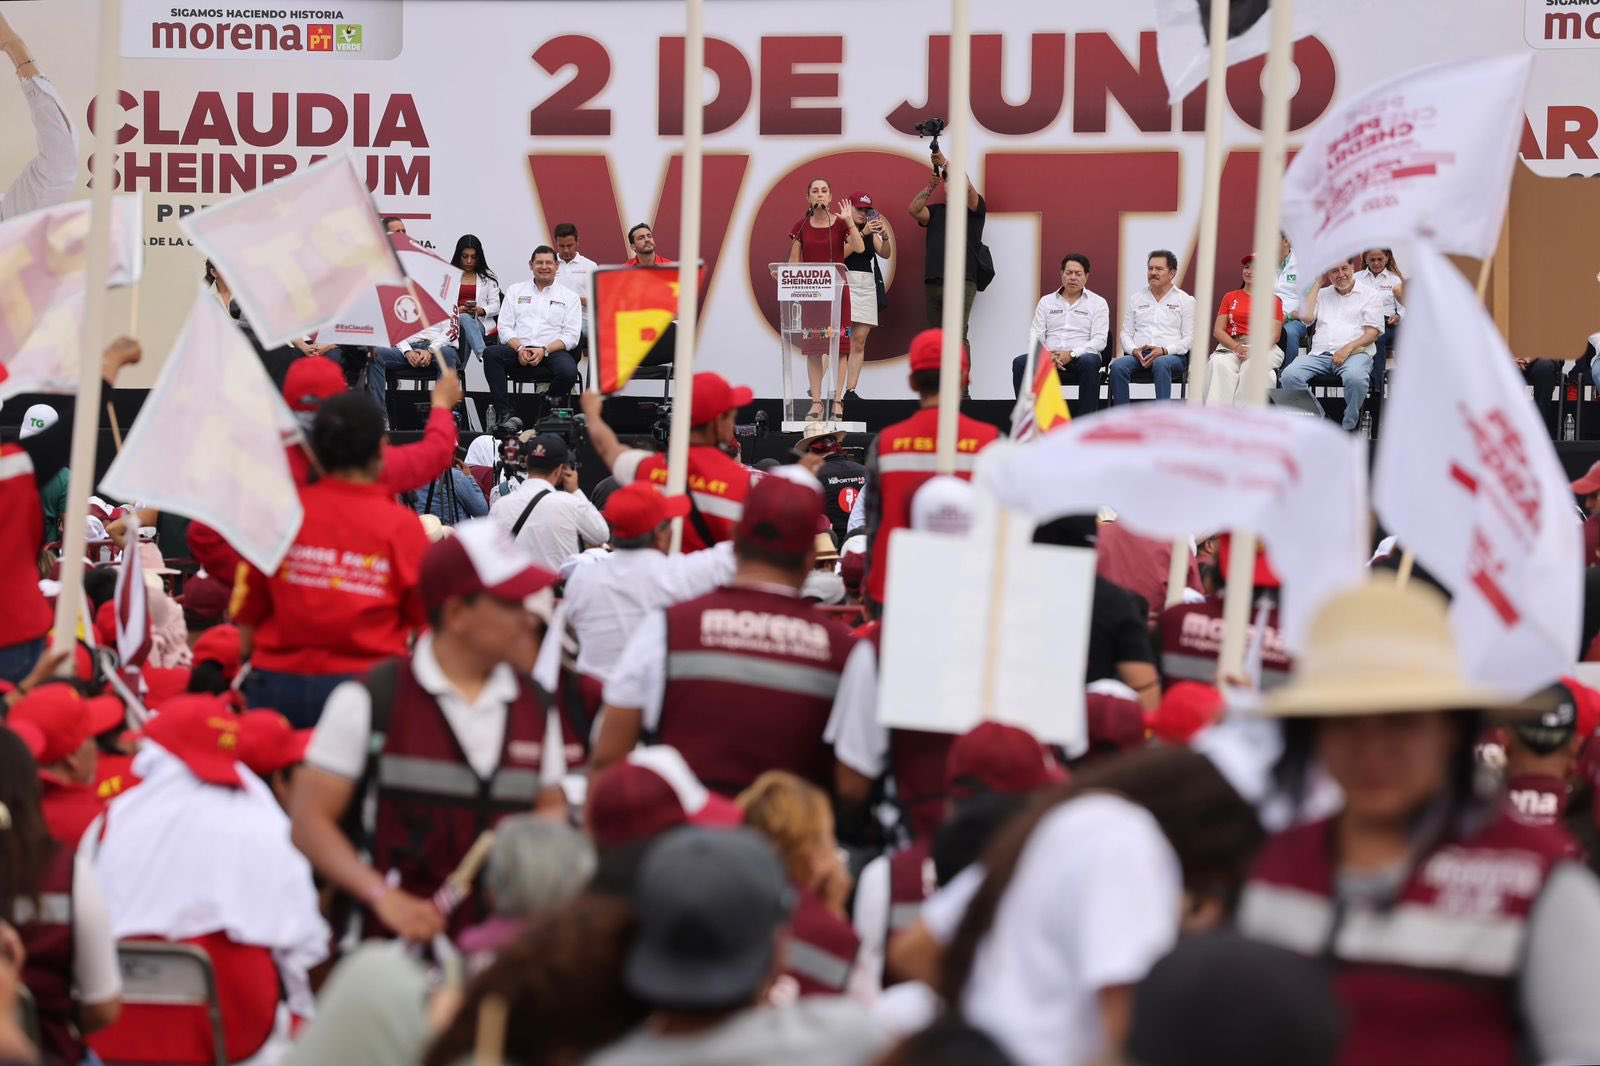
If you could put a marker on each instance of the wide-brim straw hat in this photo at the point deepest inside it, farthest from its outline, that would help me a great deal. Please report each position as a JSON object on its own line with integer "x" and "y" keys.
{"x": 1380, "y": 649}
{"x": 814, "y": 432}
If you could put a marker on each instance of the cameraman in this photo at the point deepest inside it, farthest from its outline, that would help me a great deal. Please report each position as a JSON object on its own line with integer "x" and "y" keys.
{"x": 932, "y": 218}
{"x": 547, "y": 517}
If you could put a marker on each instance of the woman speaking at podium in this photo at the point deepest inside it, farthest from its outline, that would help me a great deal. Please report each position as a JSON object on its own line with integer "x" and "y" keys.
{"x": 824, "y": 237}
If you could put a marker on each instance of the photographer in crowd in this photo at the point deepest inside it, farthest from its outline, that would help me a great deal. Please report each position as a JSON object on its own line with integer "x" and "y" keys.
{"x": 547, "y": 516}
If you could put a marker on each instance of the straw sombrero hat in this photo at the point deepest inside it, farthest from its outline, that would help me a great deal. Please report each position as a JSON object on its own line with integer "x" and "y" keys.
{"x": 814, "y": 432}
{"x": 1380, "y": 649}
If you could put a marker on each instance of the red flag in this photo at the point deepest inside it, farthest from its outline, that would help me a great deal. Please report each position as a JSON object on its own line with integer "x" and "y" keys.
{"x": 632, "y": 308}
{"x": 133, "y": 609}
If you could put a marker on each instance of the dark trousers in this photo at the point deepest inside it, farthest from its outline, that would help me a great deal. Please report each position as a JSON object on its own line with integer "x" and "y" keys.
{"x": 1083, "y": 371}
{"x": 298, "y": 697}
{"x": 499, "y": 358}
{"x": 935, "y": 294}
{"x": 1545, "y": 375}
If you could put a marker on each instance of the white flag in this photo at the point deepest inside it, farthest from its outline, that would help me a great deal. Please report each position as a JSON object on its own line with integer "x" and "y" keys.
{"x": 298, "y": 251}
{"x": 390, "y": 315}
{"x": 209, "y": 442}
{"x": 1183, "y": 34}
{"x": 1428, "y": 155}
{"x": 1173, "y": 470}
{"x": 1468, "y": 479}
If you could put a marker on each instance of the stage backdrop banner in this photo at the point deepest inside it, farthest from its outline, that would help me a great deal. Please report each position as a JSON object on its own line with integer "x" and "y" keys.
{"x": 503, "y": 118}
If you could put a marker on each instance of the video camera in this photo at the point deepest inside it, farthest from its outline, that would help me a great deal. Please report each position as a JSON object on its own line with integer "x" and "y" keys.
{"x": 931, "y": 128}
{"x": 661, "y": 428}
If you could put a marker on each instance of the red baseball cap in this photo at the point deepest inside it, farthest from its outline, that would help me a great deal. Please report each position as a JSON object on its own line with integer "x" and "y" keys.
{"x": 714, "y": 397}
{"x": 105, "y": 624}
{"x": 780, "y": 515}
{"x": 640, "y": 508}
{"x": 1247, "y": 260}
{"x": 202, "y": 731}
{"x": 65, "y": 719}
{"x": 1265, "y": 576}
{"x": 222, "y": 645}
{"x": 312, "y": 380}
{"x": 479, "y": 558}
{"x": 268, "y": 743}
{"x": 1589, "y": 483}
{"x": 1186, "y": 709}
{"x": 927, "y": 352}
{"x": 651, "y": 791}
{"x": 1001, "y": 758}
{"x": 861, "y": 199}
{"x": 206, "y": 598}
{"x": 1588, "y": 706}
{"x": 1114, "y": 721}
{"x": 164, "y": 682}
{"x": 30, "y": 735}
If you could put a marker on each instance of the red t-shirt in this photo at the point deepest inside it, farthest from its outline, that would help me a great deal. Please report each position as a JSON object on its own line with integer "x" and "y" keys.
{"x": 345, "y": 597}
{"x": 467, "y": 292}
{"x": 661, "y": 261}
{"x": 1236, "y": 305}
{"x": 27, "y": 615}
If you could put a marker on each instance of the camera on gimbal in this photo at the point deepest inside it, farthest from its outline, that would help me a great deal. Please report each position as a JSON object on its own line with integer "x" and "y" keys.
{"x": 931, "y": 128}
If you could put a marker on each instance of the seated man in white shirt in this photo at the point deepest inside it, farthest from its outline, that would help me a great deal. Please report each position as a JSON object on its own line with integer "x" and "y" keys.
{"x": 1348, "y": 318}
{"x": 1074, "y": 325}
{"x": 608, "y": 596}
{"x": 1157, "y": 329}
{"x": 48, "y": 178}
{"x": 547, "y": 516}
{"x": 419, "y": 354}
{"x": 539, "y": 325}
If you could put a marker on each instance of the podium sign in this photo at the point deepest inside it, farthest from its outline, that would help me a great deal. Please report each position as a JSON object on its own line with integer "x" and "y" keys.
{"x": 809, "y": 299}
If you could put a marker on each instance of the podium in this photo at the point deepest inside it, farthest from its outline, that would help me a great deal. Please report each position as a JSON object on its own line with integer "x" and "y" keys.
{"x": 809, "y": 307}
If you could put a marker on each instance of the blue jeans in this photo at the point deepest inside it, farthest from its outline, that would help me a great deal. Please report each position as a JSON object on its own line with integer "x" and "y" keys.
{"x": 1355, "y": 375}
{"x": 472, "y": 333}
{"x": 1163, "y": 370}
{"x": 18, "y": 660}
{"x": 1083, "y": 371}
{"x": 1294, "y": 338}
{"x": 298, "y": 697}
{"x": 387, "y": 359}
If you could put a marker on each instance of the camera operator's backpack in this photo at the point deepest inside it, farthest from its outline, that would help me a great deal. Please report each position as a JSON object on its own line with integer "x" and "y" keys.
{"x": 985, "y": 260}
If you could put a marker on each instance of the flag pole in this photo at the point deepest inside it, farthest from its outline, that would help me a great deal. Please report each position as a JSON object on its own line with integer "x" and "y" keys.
{"x": 1408, "y": 558}
{"x": 1205, "y": 262}
{"x": 1269, "y": 219}
{"x": 86, "y": 423}
{"x": 955, "y": 232}
{"x": 694, "y": 64}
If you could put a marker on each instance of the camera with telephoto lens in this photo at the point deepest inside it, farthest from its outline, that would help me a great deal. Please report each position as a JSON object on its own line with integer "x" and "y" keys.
{"x": 931, "y": 128}
{"x": 511, "y": 427}
{"x": 758, "y": 428}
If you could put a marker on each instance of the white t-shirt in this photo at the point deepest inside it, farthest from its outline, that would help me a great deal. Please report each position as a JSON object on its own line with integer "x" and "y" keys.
{"x": 1094, "y": 903}
{"x": 557, "y": 528}
{"x": 859, "y": 740}
{"x": 1082, "y": 328}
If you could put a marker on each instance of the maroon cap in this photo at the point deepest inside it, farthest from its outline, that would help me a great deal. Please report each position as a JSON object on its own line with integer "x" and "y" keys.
{"x": 223, "y": 645}
{"x": 714, "y": 397}
{"x": 780, "y": 515}
{"x": 206, "y": 597}
{"x": 927, "y": 352}
{"x": 203, "y": 732}
{"x": 268, "y": 743}
{"x": 1247, "y": 260}
{"x": 1589, "y": 483}
{"x": 639, "y": 508}
{"x": 480, "y": 557}
{"x": 650, "y": 792}
{"x": 1114, "y": 722}
{"x": 1001, "y": 758}
{"x": 861, "y": 199}
{"x": 312, "y": 380}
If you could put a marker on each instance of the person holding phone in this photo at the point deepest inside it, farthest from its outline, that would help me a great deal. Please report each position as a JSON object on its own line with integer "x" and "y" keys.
{"x": 822, "y": 236}
{"x": 864, "y": 274}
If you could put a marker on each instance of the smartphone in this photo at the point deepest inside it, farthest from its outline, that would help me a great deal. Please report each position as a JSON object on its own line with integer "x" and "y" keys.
{"x": 872, "y": 216}
{"x": 471, "y": 305}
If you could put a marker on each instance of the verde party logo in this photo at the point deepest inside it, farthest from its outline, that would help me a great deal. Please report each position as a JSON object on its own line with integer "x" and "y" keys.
{"x": 347, "y": 37}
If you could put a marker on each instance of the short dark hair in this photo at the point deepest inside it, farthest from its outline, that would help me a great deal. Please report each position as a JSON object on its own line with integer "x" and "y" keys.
{"x": 543, "y": 249}
{"x": 565, "y": 229}
{"x": 793, "y": 564}
{"x": 390, "y": 220}
{"x": 643, "y": 540}
{"x": 635, "y": 228}
{"x": 925, "y": 382}
{"x": 436, "y": 614}
{"x": 1162, "y": 253}
{"x": 1075, "y": 257}
{"x": 347, "y": 433}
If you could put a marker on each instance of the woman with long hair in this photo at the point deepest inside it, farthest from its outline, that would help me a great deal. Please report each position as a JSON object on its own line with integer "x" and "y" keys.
{"x": 796, "y": 817}
{"x": 1041, "y": 943}
{"x": 1383, "y": 274}
{"x": 477, "y": 300}
{"x": 1454, "y": 933}
{"x": 864, "y": 274}
{"x": 57, "y": 906}
{"x": 821, "y": 236}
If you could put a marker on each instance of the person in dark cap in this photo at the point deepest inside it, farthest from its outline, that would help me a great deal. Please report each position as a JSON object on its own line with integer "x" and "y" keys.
{"x": 548, "y": 516}
{"x": 1219, "y": 999}
{"x": 741, "y": 680}
{"x": 1542, "y": 753}
{"x": 713, "y": 908}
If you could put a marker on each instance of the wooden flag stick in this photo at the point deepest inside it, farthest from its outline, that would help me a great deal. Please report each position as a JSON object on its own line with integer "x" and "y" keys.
{"x": 1205, "y": 261}
{"x": 489, "y": 1047}
{"x": 466, "y": 870}
{"x": 955, "y": 234}
{"x": 86, "y": 425}
{"x": 1257, "y": 374}
{"x": 694, "y": 82}
{"x": 116, "y": 427}
{"x": 1408, "y": 558}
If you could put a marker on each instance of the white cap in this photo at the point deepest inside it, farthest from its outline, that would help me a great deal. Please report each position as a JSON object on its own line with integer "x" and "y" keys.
{"x": 943, "y": 505}
{"x": 39, "y": 417}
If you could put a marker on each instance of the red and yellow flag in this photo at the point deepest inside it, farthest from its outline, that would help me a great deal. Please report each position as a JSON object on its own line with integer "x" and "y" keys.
{"x": 633, "y": 307}
{"x": 1049, "y": 406}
